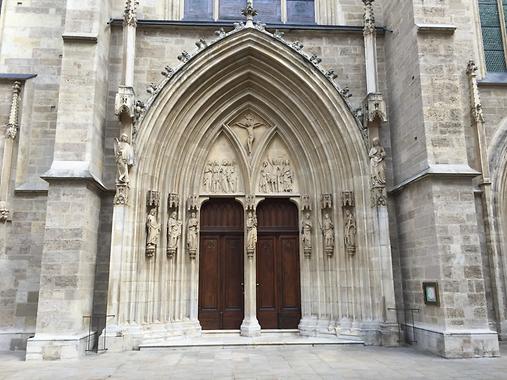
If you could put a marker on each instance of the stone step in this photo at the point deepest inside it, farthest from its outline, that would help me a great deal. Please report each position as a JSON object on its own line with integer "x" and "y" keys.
{"x": 232, "y": 338}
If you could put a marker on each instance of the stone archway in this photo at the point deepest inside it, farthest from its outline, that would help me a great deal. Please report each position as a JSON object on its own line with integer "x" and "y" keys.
{"x": 250, "y": 119}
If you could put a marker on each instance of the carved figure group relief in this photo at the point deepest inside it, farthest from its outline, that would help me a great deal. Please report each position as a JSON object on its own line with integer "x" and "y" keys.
{"x": 276, "y": 176}
{"x": 251, "y": 237}
{"x": 153, "y": 232}
{"x": 377, "y": 156}
{"x": 306, "y": 234}
{"x": 174, "y": 229}
{"x": 220, "y": 177}
{"x": 193, "y": 234}
{"x": 124, "y": 156}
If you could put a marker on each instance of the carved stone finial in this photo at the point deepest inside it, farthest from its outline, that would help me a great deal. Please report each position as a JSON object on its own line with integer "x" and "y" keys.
{"x": 297, "y": 45}
{"x": 331, "y": 74}
{"x": 369, "y": 17}
{"x": 201, "y": 44}
{"x": 278, "y": 35}
{"x": 249, "y": 12}
{"x": 346, "y": 92}
{"x": 472, "y": 68}
{"x": 220, "y": 33}
{"x": 130, "y": 13}
{"x": 315, "y": 59}
{"x": 152, "y": 88}
{"x": 12, "y": 125}
{"x": 184, "y": 56}
{"x": 475, "y": 99}
{"x": 167, "y": 72}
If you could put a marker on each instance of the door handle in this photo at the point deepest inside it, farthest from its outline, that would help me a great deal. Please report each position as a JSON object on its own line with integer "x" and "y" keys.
{"x": 242, "y": 284}
{"x": 258, "y": 284}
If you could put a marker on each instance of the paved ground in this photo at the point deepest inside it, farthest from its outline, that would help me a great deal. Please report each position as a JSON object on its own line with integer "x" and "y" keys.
{"x": 289, "y": 362}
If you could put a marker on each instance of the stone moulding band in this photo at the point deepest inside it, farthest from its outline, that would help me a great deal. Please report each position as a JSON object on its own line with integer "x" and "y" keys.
{"x": 214, "y": 24}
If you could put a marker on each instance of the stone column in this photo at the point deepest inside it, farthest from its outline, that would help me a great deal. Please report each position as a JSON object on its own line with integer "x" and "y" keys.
{"x": 250, "y": 325}
{"x": 73, "y": 206}
{"x": 125, "y": 111}
{"x": 10, "y": 136}
{"x": 375, "y": 115}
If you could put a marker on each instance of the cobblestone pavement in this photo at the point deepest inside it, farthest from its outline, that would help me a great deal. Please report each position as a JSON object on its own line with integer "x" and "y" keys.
{"x": 285, "y": 362}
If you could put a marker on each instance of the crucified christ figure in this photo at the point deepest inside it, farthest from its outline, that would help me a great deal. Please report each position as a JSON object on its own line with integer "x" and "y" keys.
{"x": 249, "y": 124}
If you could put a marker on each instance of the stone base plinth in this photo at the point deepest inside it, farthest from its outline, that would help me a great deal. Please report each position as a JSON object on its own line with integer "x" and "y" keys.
{"x": 58, "y": 347}
{"x": 250, "y": 327}
{"x": 457, "y": 344}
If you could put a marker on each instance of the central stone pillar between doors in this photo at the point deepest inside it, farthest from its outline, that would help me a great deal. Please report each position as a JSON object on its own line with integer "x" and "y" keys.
{"x": 250, "y": 326}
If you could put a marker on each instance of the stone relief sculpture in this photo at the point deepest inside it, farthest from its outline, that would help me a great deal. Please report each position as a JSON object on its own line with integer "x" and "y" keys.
{"x": 350, "y": 232}
{"x": 220, "y": 177}
{"x": 306, "y": 235}
{"x": 251, "y": 237}
{"x": 193, "y": 235}
{"x": 174, "y": 227}
{"x": 328, "y": 232}
{"x": 153, "y": 233}
{"x": 377, "y": 156}
{"x": 249, "y": 124}
{"x": 276, "y": 177}
{"x": 124, "y": 155}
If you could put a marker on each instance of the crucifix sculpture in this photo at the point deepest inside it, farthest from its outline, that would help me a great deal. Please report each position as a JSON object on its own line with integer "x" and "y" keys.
{"x": 249, "y": 125}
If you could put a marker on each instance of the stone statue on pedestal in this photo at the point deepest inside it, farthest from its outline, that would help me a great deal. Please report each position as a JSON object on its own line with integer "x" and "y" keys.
{"x": 153, "y": 232}
{"x": 306, "y": 232}
{"x": 124, "y": 156}
{"x": 251, "y": 237}
{"x": 173, "y": 234}
{"x": 192, "y": 235}
{"x": 328, "y": 231}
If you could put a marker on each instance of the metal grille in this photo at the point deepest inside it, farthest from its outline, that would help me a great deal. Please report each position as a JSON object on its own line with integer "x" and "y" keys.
{"x": 492, "y": 35}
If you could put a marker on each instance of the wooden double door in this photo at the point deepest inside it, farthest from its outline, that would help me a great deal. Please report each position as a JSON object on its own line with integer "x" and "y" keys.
{"x": 221, "y": 265}
{"x": 221, "y": 273}
{"x": 278, "y": 270}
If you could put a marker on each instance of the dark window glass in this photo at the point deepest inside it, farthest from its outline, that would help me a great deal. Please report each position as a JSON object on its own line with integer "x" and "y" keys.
{"x": 300, "y": 11}
{"x": 492, "y": 35}
{"x": 231, "y": 9}
{"x": 268, "y": 11}
{"x": 198, "y": 10}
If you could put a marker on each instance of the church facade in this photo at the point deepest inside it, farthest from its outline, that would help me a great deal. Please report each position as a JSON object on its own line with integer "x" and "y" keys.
{"x": 335, "y": 168}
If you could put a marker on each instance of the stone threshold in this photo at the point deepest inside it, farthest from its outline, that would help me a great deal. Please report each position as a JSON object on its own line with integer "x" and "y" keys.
{"x": 231, "y": 338}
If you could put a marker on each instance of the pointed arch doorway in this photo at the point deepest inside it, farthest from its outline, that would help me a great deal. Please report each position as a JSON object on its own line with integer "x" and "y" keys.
{"x": 278, "y": 269}
{"x": 221, "y": 301}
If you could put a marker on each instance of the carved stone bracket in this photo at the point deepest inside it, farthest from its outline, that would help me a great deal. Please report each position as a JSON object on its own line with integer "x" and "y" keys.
{"x": 121, "y": 196}
{"x": 152, "y": 224}
{"x": 350, "y": 225}
{"x": 374, "y": 108}
{"x": 250, "y": 203}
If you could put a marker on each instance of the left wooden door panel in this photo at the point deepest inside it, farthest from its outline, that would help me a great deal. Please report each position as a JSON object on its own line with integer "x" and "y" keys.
{"x": 209, "y": 283}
